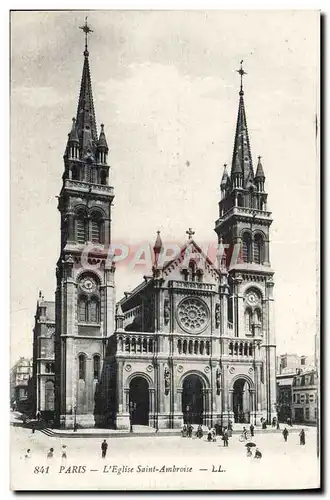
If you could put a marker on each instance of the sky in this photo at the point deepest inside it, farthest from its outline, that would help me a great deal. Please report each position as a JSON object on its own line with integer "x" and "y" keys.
{"x": 166, "y": 88}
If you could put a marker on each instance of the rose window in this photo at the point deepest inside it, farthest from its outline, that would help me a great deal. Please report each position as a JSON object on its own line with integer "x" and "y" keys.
{"x": 193, "y": 315}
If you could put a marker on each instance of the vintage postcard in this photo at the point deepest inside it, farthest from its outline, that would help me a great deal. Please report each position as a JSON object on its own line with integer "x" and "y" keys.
{"x": 164, "y": 250}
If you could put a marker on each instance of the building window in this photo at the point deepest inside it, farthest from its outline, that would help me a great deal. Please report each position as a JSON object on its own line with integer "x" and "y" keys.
{"x": 75, "y": 173}
{"x": 302, "y": 398}
{"x": 307, "y": 398}
{"x": 307, "y": 413}
{"x": 82, "y": 367}
{"x": 82, "y": 309}
{"x": 247, "y": 247}
{"x": 248, "y": 321}
{"x": 311, "y": 398}
{"x": 258, "y": 247}
{"x": 298, "y": 398}
{"x": 93, "y": 311}
{"x": 81, "y": 228}
{"x": 294, "y": 398}
{"x": 192, "y": 271}
{"x": 315, "y": 413}
{"x": 49, "y": 395}
{"x": 96, "y": 367}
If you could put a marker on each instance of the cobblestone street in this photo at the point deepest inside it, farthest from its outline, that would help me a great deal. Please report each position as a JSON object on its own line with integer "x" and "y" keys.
{"x": 147, "y": 463}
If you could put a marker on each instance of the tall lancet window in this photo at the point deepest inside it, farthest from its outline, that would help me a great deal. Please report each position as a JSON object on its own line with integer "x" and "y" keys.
{"x": 248, "y": 321}
{"x": 247, "y": 247}
{"x": 258, "y": 249}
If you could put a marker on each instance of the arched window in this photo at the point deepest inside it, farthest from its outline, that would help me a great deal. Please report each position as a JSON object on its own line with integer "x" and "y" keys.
{"x": 96, "y": 367}
{"x": 93, "y": 311}
{"x": 257, "y": 316}
{"x": 82, "y": 366}
{"x": 247, "y": 247}
{"x": 97, "y": 228}
{"x": 251, "y": 198}
{"x": 75, "y": 173}
{"x": 82, "y": 309}
{"x": 240, "y": 200}
{"x": 81, "y": 227}
{"x": 103, "y": 177}
{"x": 258, "y": 249}
{"x": 192, "y": 270}
{"x": 49, "y": 395}
{"x": 248, "y": 321}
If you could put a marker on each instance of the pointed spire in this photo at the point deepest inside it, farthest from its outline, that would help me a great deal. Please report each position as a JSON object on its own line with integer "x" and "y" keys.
{"x": 260, "y": 171}
{"x": 242, "y": 159}
{"x": 73, "y": 136}
{"x": 225, "y": 176}
{"x": 85, "y": 121}
{"x": 102, "y": 143}
{"x": 158, "y": 243}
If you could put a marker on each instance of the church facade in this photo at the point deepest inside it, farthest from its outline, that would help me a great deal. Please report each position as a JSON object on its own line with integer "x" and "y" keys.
{"x": 195, "y": 341}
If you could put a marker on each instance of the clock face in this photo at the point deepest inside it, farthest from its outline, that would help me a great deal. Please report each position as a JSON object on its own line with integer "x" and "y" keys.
{"x": 88, "y": 284}
{"x": 252, "y": 298}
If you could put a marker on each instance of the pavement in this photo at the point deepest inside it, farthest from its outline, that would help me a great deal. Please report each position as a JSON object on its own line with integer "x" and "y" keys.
{"x": 162, "y": 462}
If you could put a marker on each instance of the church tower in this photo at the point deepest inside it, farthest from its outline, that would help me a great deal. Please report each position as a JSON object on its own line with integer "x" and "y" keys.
{"x": 85, "y": 295}
{"x": 243, "y": 232}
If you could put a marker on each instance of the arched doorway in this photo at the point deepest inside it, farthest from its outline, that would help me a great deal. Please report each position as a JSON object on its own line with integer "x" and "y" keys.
{"x": 192, "y": 399}
{"x": 241, "y": 401}
{"x": 139, "y": 401}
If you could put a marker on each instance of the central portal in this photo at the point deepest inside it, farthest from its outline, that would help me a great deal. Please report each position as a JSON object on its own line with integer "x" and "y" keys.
{"x": 241, "y": 401}
{"x": 139, "y": 401}
{"x": 192, "y": 400}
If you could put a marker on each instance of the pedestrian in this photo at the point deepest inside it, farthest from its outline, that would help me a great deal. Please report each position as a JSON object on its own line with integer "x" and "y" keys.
{"x": 214, "y": 435}
{"x": 248, "y": 452}
{"x": 285, "y": 434}
{"x": 252, "y": 430}
{"x": 209, "y": 435}
{"x": 33, "y": 429}
{"x": 27, "y": 454}
{"x": 190, "y": 430}
{"x": 50, "y": 454}
{"x": 64, "y": 457}
{"x": 244, "y": 432}
{"x": 302, "y": 436}
{"x": 278, "y": 426}
{"x": 184, "y": 431}
{"x": 104, "y": 447}
{"x": 258, "y": 453}
{"x": 199, "y": 432}
{"x": 38, "y": 415}
{"x": 225, "y": 437}
{"x": 264, "y": 424}
{"x": 274, "y": 422}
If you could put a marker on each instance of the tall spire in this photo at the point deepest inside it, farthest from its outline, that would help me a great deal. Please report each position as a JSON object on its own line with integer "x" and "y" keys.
{"x": 85, "y": 121}
{"x": 242, "y": 159}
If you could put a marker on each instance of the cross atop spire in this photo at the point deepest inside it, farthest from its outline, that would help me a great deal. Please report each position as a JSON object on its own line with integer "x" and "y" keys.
{"x": 190, "y": 233}
{"x": 242, "y": 73}
{"x": 86, "y": 29}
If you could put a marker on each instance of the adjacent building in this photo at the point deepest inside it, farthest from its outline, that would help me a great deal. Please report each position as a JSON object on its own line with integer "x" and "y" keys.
{"x": 194, "y": 341}
{"x": 304, "y": 397}
{"x": 43, "y": 380}
{"x": 20, "y": 377}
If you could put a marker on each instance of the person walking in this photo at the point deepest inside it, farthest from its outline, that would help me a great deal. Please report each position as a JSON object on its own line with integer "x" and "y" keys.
{"x": 244, "y": 432}
{"x": 248, "y": 452}
{"x": 225, "y": 437}
{"x": 278, "y": 426}
{"x": 252, "y": 430}
{"x": 258, "y": 453}
{"x": 285, "y": 434}
{"x": 50, "y": 454}
{"x": 64, "y": 457}
{"x": 190, "y": 430}
{"x": 209, "y": 435}
{"x": 104, "y": 447}
{"x": 199, "y": 432}
{"x": 302, "y": 437}
{"x": 28, "y": 454}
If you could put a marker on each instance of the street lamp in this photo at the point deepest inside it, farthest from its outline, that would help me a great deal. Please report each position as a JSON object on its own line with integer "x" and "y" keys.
{"x": 75, "y": 419}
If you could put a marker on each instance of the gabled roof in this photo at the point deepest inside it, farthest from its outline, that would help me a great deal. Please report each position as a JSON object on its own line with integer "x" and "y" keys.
{"x": 191, "y": 243}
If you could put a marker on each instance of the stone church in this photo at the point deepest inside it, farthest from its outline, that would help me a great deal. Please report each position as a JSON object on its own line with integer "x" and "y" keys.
{"x": 195, "y": 341}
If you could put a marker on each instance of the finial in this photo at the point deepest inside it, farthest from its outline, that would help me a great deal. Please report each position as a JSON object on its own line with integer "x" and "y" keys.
{"x": 86, "y": 29}
{"x": 259, "y": 157}
{"x": 225, "y": 165}
{"x": 102, "y": 126}
{"x": 190, "y": 233}
{"x": 242, "y": 73}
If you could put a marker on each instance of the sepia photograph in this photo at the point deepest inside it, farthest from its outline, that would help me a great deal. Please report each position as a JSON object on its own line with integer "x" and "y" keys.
{"x": 164, "y": 250}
